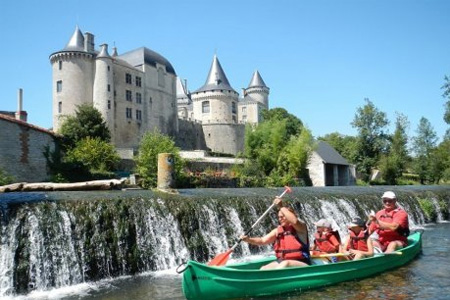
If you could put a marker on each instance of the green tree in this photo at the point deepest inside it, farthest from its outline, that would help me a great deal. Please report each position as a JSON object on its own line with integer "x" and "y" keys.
{"x": 446, "y": 94}
{"x": 95, "y": 154}
{"x": 87, "y": 122}
{"x": 276, "y": 151}
{"x": 394, "y": 163}
{"x": 293, "y": 160}
{"x": 440, "y": 162}
{"x": 151, "y": 145}
{"x": 293, "y": 124}
{"x": 372, "y": 140}
{"x": 424, "y": 143}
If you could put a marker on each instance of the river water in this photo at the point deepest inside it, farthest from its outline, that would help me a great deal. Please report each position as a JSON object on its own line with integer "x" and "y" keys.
{"x": 426, "y": 277}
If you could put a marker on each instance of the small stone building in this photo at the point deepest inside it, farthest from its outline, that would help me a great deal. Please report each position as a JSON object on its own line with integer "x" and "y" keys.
{"x": 328, "y": 168}
{"x": 22, "y": 147}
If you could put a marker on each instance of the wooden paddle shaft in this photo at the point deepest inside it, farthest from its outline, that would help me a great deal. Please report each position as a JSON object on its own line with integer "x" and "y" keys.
{"x": 259, "y": 220}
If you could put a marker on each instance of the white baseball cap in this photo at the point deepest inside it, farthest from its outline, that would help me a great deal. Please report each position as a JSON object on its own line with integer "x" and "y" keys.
{"x": 323, "y": 223}
{"x": 389, "y": 195}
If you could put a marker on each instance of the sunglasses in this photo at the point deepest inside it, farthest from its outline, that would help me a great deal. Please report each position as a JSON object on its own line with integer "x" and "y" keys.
{"x": 388, "y": 200}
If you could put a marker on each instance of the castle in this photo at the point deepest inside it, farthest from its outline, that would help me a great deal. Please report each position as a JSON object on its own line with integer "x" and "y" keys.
{"x": 139, "y": 91}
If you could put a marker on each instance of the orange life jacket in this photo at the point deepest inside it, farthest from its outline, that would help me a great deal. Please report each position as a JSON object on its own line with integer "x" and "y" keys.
{"x": 387, "y": 235}
{"x": 323, "y": 242}
{"x": 358, "y": 242}
{"x": 289, "y": 246}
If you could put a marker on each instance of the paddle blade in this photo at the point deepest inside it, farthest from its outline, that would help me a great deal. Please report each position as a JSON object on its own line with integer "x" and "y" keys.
{"x": 220, "y": 259}
{"x": 287, "y": 189}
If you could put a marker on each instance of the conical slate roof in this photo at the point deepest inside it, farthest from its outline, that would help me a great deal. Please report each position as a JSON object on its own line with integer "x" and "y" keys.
{"x": 103, "y": 51}
{"x": 216, "y": 80}
{"x": 76, "y": 42}
{"x": 257, "y": 80}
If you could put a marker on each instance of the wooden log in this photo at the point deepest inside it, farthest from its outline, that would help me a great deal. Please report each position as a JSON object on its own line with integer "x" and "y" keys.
{"x": 14, "y": 187}
{"x": 108, "y": 184}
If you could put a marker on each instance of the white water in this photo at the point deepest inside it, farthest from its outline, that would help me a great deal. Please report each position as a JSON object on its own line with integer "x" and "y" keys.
{"x": 57, "y": 257}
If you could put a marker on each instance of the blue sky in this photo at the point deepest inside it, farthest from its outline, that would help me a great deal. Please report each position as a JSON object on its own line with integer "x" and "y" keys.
{"x": 320, "y": 58}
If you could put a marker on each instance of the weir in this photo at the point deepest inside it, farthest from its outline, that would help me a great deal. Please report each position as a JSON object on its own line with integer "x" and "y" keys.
{"x": 55, "y": 239}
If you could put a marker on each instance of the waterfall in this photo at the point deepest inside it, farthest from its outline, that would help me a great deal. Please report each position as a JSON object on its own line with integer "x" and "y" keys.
{"x": 61, "y": 239}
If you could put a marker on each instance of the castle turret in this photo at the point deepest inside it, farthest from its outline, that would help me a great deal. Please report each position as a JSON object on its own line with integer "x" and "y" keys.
{"x": 104, "y": 86}
{"x": 216, "y": 101}
{"x": 73, "y": 76}
{"x": 256, "y": 99}
{"x": 257, "y": 90}
{"x": 215, "y": 106}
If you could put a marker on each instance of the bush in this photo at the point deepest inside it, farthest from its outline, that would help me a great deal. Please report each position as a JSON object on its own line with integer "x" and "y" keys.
{"x": 96, "y": 155}
{"x": 5, "y": 178}
{"x": 151, "y": 145}
{"x": 428, "y": 208}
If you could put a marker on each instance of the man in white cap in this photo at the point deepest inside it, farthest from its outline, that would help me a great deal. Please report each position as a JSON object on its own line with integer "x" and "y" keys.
{"x": 391, "y": 224}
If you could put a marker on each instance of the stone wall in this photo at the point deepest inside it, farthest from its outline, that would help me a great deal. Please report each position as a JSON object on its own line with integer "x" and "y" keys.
{"x": 190, "y": 136}
{"x": 21, "y": 150}
{"x": 225, "y": 138}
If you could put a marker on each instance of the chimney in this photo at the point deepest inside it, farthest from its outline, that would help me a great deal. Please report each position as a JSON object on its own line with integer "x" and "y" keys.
{"x": 20, "y": 114}
{"x": 89, "y": 42}
{"x": 185, "y": 86}
{"x": 243, "y": 92}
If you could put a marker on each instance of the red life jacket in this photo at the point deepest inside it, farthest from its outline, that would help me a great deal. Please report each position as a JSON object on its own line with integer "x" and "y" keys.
{"x": 289, "y": 246}
{"x": 323, "y": 242}
{"x": 358, "y": 242}
{"x": 387, "y": 235}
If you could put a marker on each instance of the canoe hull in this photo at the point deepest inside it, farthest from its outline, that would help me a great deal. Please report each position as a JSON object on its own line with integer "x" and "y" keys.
{"x": 246, "y": 280}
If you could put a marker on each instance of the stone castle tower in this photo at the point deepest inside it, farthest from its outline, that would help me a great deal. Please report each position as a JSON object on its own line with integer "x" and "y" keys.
{"x": 139, "y": 90}
{"x": 135, "y": 92}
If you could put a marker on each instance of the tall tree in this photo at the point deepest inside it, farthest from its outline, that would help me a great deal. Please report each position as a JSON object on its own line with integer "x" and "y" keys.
{"x": 293, "y": 124}
{"x": 275, "y": 150}
{"x": 424, "y": 142}
{"x": 394, "y": 163}
{"x": 372, "y": 139}
{"x": 446, "y": 94}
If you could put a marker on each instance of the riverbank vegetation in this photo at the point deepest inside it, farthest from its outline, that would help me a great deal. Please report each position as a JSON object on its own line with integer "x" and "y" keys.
{"x": 276, "y": 151}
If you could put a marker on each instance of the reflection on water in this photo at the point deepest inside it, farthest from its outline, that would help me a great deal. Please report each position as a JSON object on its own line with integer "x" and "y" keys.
{"x": 427, "y": 277}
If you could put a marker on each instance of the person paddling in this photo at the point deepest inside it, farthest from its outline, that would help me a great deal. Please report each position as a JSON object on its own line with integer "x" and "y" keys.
{"x": 290, "y": 240}
{"x": 358, "y": 244}
{"x": 391, "y": 224}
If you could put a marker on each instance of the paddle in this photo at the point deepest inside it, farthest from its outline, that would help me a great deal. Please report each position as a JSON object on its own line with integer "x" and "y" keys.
{"x": 347, "y": 254}
{"x": 222, "y": 258}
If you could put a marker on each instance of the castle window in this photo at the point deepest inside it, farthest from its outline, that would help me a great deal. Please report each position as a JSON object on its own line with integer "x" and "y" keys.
{"x": 129, "y": 113}
{"x": 205, "y": 107}
{"x": 128, "y": 78}
{"x": 244, "y": 109}
{"x": 138, "y": 98}
{"x": 161, "y": 81}
{"x": 60, "y": 65}
{"x": 59, "y": 107}
{"x": 234, "y": 119}
{"x": 129, "y": 95}
{"x": 138, "y": 81}
{"x": 138, "y": 115}
{"x": 59, "y": 86}
{"x": 233, "y": 107}
{"x": 109, "y": 69}
{"x": 109, "y": 104}
{"x": 109, "y": 88}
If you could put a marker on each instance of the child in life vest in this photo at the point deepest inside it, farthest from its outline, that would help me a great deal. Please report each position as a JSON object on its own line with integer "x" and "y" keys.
{"x": 358, "y": 244}
{"x": 325, "y": 239}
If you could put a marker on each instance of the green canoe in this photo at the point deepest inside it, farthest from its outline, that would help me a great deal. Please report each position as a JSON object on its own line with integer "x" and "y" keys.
{"x": 246, "y": 280}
